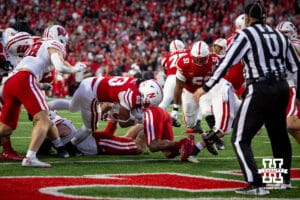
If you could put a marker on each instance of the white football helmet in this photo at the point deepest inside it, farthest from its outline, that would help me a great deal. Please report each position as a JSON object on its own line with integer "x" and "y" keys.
{"x": 287, "y": 28}
{"x": 57, "y": 32}
{"x": 200, "y": 53}
{"x": 176, "y": 45}
{"x": 19, "y": 43}
{"x": 239, "y": 22}
{"x": 221, "y": 42}
{"x": 151, "y": 92}
{"x": 7, "y": 33}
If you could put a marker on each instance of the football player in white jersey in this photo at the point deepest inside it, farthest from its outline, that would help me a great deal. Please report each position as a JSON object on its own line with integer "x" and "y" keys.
{"x": 169, "y": 63}
{"x": 100, "y": 142}
{"x": 292, "y": 112}
{"x": 21, "y": 89}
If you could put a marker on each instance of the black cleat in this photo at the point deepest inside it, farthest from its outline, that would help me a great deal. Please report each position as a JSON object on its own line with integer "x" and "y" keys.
{"x": 72, "y": 149}
{"x": 175, "y": 122}
{"x": 220, "y": 144}
{"x": 62, "y": 152}
{"x": 209, "y": 139}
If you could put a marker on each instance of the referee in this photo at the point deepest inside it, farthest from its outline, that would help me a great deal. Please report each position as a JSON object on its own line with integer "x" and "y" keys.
{"x": 267, "y": 54}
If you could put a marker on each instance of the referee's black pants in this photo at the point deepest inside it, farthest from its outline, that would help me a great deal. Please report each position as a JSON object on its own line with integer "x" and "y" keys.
{"x": 264, "y": 103}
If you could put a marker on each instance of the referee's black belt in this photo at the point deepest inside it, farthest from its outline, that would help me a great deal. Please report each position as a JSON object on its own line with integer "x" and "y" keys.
{"x": 267, "y": 80}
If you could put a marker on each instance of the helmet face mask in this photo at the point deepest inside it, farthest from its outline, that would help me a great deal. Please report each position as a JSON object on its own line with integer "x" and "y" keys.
{"x": 200, "y": 61}
{"x": 151, "y": 93}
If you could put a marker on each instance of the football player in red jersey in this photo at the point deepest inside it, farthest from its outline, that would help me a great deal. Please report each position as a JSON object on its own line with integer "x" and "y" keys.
{"x": 94, "y": 90}
{"x": 192, "y": 71}
{"x": 292, "y": 112}
{"x": 169, "y": 63}
{"x": 224, "y": 99}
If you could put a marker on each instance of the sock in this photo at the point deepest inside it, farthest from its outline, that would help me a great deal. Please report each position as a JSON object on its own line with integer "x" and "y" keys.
{"x": 210, "y": 120}
{"x": 197, "y": 149}
{"x": 199, "y": 146}
{"x": 57, "y": 142}
{"x": 7, "y": 146}
{"x": 31, "y": 154}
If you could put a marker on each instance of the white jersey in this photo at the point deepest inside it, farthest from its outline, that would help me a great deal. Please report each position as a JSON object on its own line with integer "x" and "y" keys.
{"x": 292, "y": 77}
{"x": 37, "y": 58}
{"x": 88, "y": 146}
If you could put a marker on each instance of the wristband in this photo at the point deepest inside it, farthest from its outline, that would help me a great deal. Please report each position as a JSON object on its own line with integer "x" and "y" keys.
{"x": 175, "y": 107}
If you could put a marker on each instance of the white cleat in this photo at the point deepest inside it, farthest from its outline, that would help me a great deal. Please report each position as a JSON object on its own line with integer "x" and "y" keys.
{"x": 192, "y": 159}
{"x": 34, "y": 162}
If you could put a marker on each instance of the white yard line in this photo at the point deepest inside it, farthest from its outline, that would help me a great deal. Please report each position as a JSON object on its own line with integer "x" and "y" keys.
{"x": 66, "y": 161}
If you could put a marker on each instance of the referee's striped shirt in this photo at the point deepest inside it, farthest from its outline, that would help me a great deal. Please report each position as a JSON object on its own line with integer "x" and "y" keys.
{"x": 263, "y": 49}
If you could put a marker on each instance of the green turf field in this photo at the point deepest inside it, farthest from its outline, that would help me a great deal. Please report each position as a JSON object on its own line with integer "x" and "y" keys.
{"x": 210, "y": 166}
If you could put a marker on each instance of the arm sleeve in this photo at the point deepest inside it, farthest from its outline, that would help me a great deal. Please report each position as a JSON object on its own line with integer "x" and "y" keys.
{"x": 59, "y": 64}
{"x": 235, "y": 53}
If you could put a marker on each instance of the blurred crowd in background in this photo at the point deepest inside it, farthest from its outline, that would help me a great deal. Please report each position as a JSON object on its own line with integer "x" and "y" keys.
{"x": 115, "y": 36}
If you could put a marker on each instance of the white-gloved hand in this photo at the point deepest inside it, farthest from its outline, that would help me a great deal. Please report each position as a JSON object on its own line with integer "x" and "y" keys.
{"x": 138, "y": 114}
{"x": 174, "y": 114}
{"x": 79, "y": 66}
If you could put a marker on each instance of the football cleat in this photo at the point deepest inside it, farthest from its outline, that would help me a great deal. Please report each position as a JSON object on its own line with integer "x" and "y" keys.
{"x": 187, "y": 148}
{"x": 196, "y": 129}
{"x": 72, "y": 149}
{"x": 34, "y": 162}
{"x": 11, "y": 155}
{"x": 209, "y": 139}
{"x": 191, "y": 144}
{"x": 220, "y": 144}
{"x": 62, "y": 152}
{"x": 175, "y": 122}
{"x": 252, "y": 189}
{"x": 193, "y": 159}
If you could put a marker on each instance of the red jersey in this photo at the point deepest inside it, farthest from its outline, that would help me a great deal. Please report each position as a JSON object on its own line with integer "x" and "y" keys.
{"x": 235, "y": 73}
{"x": 122, "y": 90}
{"x": 157, "y": 125}
{"x": 195, "y": 76}
{"x": 170, "y": 60}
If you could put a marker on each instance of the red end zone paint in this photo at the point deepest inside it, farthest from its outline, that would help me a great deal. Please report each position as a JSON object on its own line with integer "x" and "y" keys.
{"x": 28, "y": 187}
